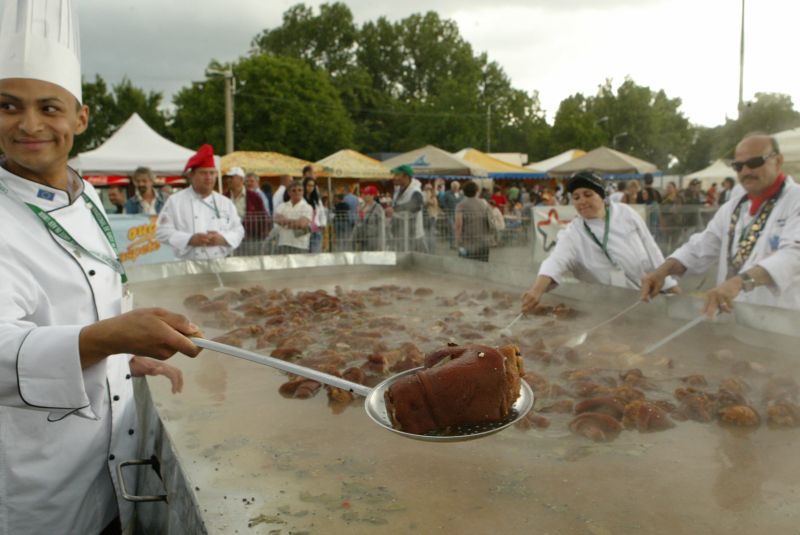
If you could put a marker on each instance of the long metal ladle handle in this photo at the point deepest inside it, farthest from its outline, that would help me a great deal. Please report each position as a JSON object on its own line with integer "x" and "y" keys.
{"x": 272, "y": 362}
{"x": 615, "y": 316}
{"x": 698, "y": 319}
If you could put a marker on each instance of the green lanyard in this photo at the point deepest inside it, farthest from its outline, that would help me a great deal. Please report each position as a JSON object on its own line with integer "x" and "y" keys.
{"x": 603, "y": 246}
{"x": 55, "y": 228}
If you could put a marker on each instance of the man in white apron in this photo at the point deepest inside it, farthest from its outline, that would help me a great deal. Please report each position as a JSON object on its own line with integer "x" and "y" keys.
{"x": 406, "y": 211}
{"x": 67, "y": 414}
{"x": 754, "y": 237}
{"x": 198, "y": 222}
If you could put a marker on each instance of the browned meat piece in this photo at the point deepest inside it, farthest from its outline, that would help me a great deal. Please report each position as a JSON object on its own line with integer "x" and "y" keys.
{"x": 227, "y": 297}
{"x": 536, "y": 381}
{"x": 338, "y": 399}
{"x": 470, "y": 335}
{"x": 597, "y": 427}
{"x": 301, "y": 388}
{"x": 604, "y": 405}
{"x": 735, "y": 385}
{"x": 563, "y": 406}
{"x": 193, "y": 302}
{"x": 533, "y": 420}
{"x": 587, "y": 389}
{"x": 552, "y": 391}
{"x": 354, "y": 375}
{"x": 563, "y": 311}
{"x": 376, "y": 363}
{"x": 423, "y": 291}
{"x": 740, "y": 416}
{"x": 784, "y": 415}
{"x": 222, "y": 320}
{"x": 229, "y": 340}
{"x": 636, "y": 379}
{"x": 697, "y": 407}
{"x": 253, "y": 291}
{"x": 645, "y": 416}
{"x": 580, "y": 374}
{"x": 408, "y": 362}
{"x": 488, "y": 312}
{"x": 286, "y": 352}
{"x": 212, "y": 306}
{"x": 695, "y": 380}
{"x": 626, "y": 393}
{"x": 322, "y": 360}
{"x": 460, "y": 385}
{"x": 247, "y": 331}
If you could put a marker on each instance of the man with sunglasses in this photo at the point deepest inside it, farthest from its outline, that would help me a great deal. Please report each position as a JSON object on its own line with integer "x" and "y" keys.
{"x": 754, "y": 237}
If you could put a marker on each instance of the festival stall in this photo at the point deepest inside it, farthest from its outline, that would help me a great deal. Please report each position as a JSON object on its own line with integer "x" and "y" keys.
{"x": 543, "y": 166}
{"x": 713, "y": 174}
{"x": 498, "y": 169}
{"x": 608, "y": 162}
{"x": 430, "y": 162}
{"x": 789, "y": 145}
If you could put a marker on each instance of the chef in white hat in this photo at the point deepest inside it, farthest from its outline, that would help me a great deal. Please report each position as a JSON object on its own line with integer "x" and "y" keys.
{"x": 67, "y": 415}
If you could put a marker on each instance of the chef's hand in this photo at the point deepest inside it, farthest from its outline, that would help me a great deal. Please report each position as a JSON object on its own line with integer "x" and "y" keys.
{"x": 199, "y": 240}
{"x": 150, "y": 332}
{"x": 141, "y": 366}
{"x": 215, "y": 238}
{"x": 652, "y": 284}
{"x": 530, "y": 299}
{"x": 721, "y": 298}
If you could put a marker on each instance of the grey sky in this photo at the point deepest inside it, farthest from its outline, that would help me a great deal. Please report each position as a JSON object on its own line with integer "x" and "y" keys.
{"x": 558, "y": 47}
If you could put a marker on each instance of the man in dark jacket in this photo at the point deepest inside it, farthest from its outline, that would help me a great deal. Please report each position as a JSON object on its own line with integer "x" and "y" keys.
{"x": 146, "y": 199}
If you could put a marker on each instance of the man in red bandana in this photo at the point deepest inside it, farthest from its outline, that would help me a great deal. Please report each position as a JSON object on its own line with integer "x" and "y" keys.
{"x": 755, "y": 237}
{"x": 198, "y": 222}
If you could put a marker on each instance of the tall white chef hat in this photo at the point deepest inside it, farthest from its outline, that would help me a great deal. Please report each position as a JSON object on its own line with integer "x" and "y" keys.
{"x": 39, "y": 39}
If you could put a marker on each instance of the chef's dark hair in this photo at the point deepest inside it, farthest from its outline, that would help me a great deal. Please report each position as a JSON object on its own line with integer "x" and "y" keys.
{"x": 587, "y": 179}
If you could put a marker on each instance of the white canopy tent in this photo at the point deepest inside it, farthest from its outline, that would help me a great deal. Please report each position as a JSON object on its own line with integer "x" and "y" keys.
{"x": 133, "y": 145}
{"x": 544, "y": 166}
{"x": 789, "y": 143}
{"x": 713, "y": 174}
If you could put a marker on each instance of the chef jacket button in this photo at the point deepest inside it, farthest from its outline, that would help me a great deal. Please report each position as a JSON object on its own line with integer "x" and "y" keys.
{"x": 130, "y": 431}
{"x": 111, "y": 457}
{"x": 115, "y": 398}
{"x": 92, "y": 272}
{"x": 127, "y": 376}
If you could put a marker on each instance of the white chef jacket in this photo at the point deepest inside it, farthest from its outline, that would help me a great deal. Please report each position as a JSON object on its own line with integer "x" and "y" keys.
{"x": 286, "y": 235}
{"x": 62, "y": 429}
{"x": 630, "y": 246}
{"x": 777, "y": 249}
{"x": 186, "y": 213}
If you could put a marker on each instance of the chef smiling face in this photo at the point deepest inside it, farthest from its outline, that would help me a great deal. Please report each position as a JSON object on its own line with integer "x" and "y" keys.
{"x": 38, "y": 124}
{"x": 588, "y": 203}
{"x": 203, "y": 180}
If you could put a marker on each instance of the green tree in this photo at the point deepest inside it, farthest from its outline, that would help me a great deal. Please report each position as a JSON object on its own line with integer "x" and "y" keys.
{"x": 281, "y": 105}
{"x": 767, "y": 112}
{"x": 108, "y": 110}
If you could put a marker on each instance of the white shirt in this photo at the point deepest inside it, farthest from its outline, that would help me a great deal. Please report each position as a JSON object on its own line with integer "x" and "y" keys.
{"x": 616, "y": 197}
{"x": 240, "y": 202}
{"x": 186, "y": 213}
{"x": 58, "y": 425}
{"x": 277, "y": 198}
{"x": 287, "y": 236}
{"x": 777, "y": 249}
{"x": 630, "y": 246}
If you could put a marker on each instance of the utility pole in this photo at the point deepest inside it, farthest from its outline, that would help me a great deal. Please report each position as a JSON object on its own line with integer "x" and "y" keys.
{"x": 228, "y": 90}
{"x": 488, "y": 128}
{"x": 228, "y": 111}
{"x": 741, "y": 65}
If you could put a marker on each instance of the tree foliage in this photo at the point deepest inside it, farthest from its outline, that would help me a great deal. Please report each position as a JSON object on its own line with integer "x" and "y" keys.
{"x": 281, "y": 105}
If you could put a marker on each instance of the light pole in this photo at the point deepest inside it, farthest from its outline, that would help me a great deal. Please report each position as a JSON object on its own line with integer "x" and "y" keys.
{"x": 228, "y": 76}
{"x": 741, "y": 64}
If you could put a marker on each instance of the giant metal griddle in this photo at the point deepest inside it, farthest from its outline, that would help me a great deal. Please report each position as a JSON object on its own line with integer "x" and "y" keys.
{"x": 235, "y": 455}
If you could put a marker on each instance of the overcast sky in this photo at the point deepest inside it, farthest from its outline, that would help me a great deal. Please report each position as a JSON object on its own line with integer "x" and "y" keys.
{"x": 690, "y": 48}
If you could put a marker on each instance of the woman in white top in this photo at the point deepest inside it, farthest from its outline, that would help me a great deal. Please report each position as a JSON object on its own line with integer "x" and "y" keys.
{"x": 319, "y": 217}
{"x": 607, "y": 243}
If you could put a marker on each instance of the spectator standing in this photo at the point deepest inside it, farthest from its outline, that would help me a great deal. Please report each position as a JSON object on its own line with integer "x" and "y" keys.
{"x": 146, "y": 200}
{"x": 197, "y": 222}
{"x": 727, "y": 188}
{"x": 648, "y": 195}
{"x": 117, "y": 199}
{"x": 431, "y": 212}
{"x": 341, "y": 222}
{"x": 693, "y": 194}
{"x": 513, "y": 194}
{"x": 671, "y": 221}
{"x": 632, "y": 189}
{"x": 251, "y": 182}
{"x": 369, "y": 234}
{"x": 280, "y": 193}
{"x": 473, "y": 232}
{"x": 619, "y": 194}
{"x": 711, "y": 195}
{"x": 293, "y": 220}
{"x": 406, "y": 210}
{"x": 451, "y": 199}
{"x": 251, "y": 211}
{"x": 500, "y": 199}
{"x": 319, "y": 219}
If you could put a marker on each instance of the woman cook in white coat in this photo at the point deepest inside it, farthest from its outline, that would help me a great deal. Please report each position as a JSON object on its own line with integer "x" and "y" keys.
{"x": 67, "y": 414}
{"x": 607, "y": 243}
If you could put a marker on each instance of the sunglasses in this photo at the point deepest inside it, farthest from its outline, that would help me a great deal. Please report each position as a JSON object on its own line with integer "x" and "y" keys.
{"x": 752, "y": 163}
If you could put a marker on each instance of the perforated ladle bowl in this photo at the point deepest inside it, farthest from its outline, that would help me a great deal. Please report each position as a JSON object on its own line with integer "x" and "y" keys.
{"x": 374, "y": 402}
